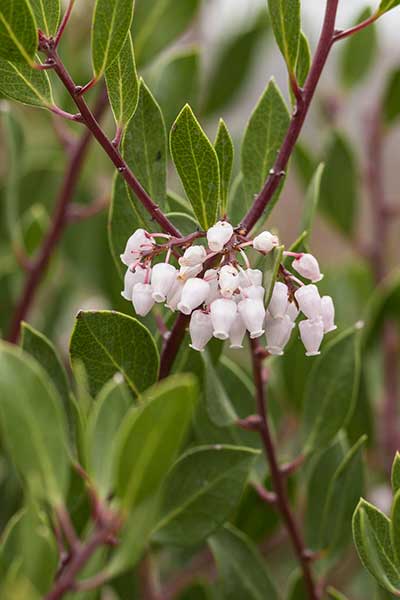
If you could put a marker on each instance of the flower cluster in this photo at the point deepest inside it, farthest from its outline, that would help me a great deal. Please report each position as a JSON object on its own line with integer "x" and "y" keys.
{"x": 226, "y": 299}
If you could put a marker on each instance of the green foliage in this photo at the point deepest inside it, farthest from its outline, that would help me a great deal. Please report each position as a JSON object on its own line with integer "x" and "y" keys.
{"x": 211, "y": 480}
{"x": 110, "y": 342}
{"x": 358, "y": 53}
{"x": 123, "y": 84}
{"x": 224, "y": 148}
{"x": 111, "y": 23}
{"x": 28, "y": 403}
{"x": 241, "y": 569}
{"x": 311, "y": 201}
{"x": 262, "y": 139}
{"x": 157, "y": 24}
{"x": 286, "y": 25}
{"x": 391, "y": 98}
{"x": 339, "y": 195}
{"x": 18, "y": 36}
{"x": 331, "y": 391}
{"x": 19, "y": 81}
{"x": 146, "y": 452}
{"x": 386, "y": 5}
{"x": 197, "y": 164}
{"x": 303, "y": 60}
{"x": 47, "y": 15}
{"x": 396, "y": 473}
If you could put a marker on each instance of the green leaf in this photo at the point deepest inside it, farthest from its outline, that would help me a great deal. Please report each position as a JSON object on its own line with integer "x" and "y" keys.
{"x": 47, "y": 15}
{"x": 18, "y": 35}
{"x": 358, "y": 53}
{"x": 110, "y": 342}
{"x": 40, "y": 347}
{"x": 331, "y": 390}
{"x": 20, "y": 82}
{"x": 391, "y": 98}
{"x": 334, "y": 594}
{"x": 28, "y": 404}
{"x": 371, "y": 534}
{"x": 211, "y": 480}
{"x": 344, "y": 492}
{"x": 238, "y": 201}
{"x": 262, "y": 140}
{"x": 286, "y": 25}
{"x": 396, "y": 473}
{"x": 224, "y": 148}
{"x": 197, "y": 164}
{"x": 241, "y": 569}
{"x": 339, "y": 195}
{"x": 269, "y": 264}
{"x": 311, "y": 201}
{"x": 303, "y": 60}
{"x": 158, "y": 23}
{"x": 297, "y": 587}
{"x": 29, "y": 540}
{"x": 151, "y": 437}
{"x": 395, "y": 526}
{"x": 233, "y": 65}
{"x": 219, "y": 406}
{"x": 111, "y": 23}
{"x": 177, "y": 77}
{"x": 123, "y": 84}
{"x": 112, "y": 404}
{"x": 185, "y": 223}
{"x": 145, "y": 146}
{"x": 386, "y": 5}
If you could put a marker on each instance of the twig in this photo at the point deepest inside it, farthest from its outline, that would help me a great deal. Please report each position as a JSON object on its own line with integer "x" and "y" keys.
{"x": 172, "y": 345}
{"x": 340, "y": 35}
{"x": 278, "y": 481}
{"x": 64, "y": 23}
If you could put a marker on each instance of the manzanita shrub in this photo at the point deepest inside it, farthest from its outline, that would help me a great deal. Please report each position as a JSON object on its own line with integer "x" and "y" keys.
{"x": 207, "y": 437}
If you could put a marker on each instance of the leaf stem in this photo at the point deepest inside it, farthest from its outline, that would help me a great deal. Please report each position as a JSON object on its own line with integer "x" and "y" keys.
{"x": 298, "y": 118}
{"x": 278, "y": 480}
{"x": 340, "y": 35}
{"x": 64, "y": 23}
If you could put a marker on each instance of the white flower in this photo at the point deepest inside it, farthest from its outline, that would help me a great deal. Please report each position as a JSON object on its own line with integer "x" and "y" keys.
{"x": 162, "y": 279}
{"x": 311, "y": 333}
{"x": 175, "y": 294}
{"x": 186, "y": 273}
{"x": 255, "y": 292}
{"x": 309, "y": 301}
{"x": 250, "y": 277}
{"x": 228, "y": 280}
{"x": 136, "y": 244}
{"x": 194, "y": 293}
{"x": 278, "y": 333}
{"x": 237, "y": 332}
{"x": 223, "y": 313}
{"x": 200, "y": 329}
{"x": 253, "y": 315}
{"x": 142, "y": 298}
{"x": 292, "y": 311}
{"x": 308, "y": 267}
{"x": 211, "y": 276}
{"x": 218, "y": 235}
{"x": 138, "y": 275}
{"x": 195, "y": 255}
{"x": 279, "y": 300}
{"x": 265, "y": 242}
{"x": 328, "y": 314}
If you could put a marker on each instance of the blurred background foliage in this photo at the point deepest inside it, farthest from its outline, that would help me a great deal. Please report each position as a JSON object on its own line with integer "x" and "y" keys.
{"x": 218, "y": 56}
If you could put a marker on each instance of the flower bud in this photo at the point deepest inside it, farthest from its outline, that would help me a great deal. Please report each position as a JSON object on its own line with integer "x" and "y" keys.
{"x": 265, "y": 242}
{"x": 186, "y": 273}
{"x": 138, "y": 275}
{"x": 135, "y": 246}
{"x": 200, "y": 329}
{"x": 211, "y": 276}
{"x": 228, "y": 283}
{"x": 253, "y": 315}
{"x": 309, "y": 301}
{"x": 195, "y": 255}
{"x": 328, "y": 314}
{"x": 194, "y": 293}
{"x": 292, "y": 311}
{"x": 278, "y": 333}
{"x": 223, "y": 313}
{"x": 237, "y": 332}
{"x": 218, "y": 235}
{"x": 142, "y": 298}
{"x": 175, "y": 294}
{"x": 308, "y": 267}
{"x": 255, "y": 292}
{"x": 312, "y": 333}
{"x": 279, "y": 300}
{"x": 162, "y": 279}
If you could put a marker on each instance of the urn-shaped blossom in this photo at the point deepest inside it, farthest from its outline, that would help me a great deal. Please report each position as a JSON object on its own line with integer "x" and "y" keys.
{"x": 265, "y": 242}
{"x": 328, "y": 314}
{"x": 278, "y": 333}
{"x": 279, "y": 300}
{"x": 252, "y": 312}
{"x": 309, "y": 301}
{"x": 223, "y": 313}
{"x": 194, "y": 255}
{"x": 218, "y": 235}
{"x": 163, "y": 278}
{"x": 237, "y": 332}
{"x": 312, "y": 334}
{"x": 138, "y": 243}
{"x": 142, "y": 298}
{"x": 138, "y": 275}
{"x": 200, "y": 330}
{"x": 194, "y": 293}
{"x": 308, "y": 267}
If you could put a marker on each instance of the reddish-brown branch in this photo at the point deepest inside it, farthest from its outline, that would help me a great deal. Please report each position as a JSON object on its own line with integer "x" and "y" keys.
{"x": 58, "y": 223}
{"x": 64, "y": 23}
{"x": 172, "y": 345}
{"x": 278, "y": 480}
{"x": 340, "y": 35}
{"x": 298, "y": 118}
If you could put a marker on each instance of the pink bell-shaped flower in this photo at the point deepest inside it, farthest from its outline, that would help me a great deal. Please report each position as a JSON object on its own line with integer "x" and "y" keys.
{"x": 142, "y": 298}
{"x": 200, "y": 330}
{"x": 223, "y": 313}
{"x": 218, "y": 235}
{"x": 194, "y": 293}
{"x": 308, "y": 267}
{"x": 312, "y": 334}
{"x": 163, "y": 277}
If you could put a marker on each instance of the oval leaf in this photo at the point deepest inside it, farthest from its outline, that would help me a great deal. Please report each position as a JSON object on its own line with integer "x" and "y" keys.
{"x": 20, "y": 82}
{"x": 123, "y": 84}
{"x": 47, "y": 15}
{"x": 358, "y": 52}
{"x": 197, "y": 164}
{"x": 110, "y": 342}
{"x": 28, "y": 404}
{"x": 286, "y": 25}
{"x": 224, "y": 148}
{"x": 18, "y": 34}
{"x": 211, "y": 480}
